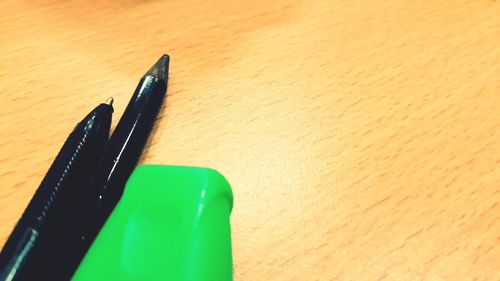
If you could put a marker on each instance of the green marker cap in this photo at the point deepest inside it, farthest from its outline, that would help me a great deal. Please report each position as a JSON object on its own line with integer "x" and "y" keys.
{"x": 172, "y": 223}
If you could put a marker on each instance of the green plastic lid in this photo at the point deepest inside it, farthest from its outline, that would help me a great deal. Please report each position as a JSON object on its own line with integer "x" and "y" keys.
{"x": 172, "y": 223}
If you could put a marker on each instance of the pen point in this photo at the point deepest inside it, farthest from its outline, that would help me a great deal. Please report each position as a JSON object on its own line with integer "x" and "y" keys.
{"x": 109, "y": 101}
{"x": 160, "y": 68}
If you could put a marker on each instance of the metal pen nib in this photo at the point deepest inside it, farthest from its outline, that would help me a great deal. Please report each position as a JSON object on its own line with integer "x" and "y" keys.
{"x": 109, "y": 101}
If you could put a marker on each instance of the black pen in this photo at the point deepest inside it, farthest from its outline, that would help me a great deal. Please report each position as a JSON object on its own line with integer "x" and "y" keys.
{"x": 44, "y": 222}
{"x": 120, "y": 158}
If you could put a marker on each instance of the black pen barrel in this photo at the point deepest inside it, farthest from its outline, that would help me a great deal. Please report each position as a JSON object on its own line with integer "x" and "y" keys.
{"x": 46, "y": 219}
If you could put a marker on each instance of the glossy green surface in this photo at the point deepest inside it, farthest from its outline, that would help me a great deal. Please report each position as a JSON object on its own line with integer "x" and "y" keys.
{"x": 172, "y": 223}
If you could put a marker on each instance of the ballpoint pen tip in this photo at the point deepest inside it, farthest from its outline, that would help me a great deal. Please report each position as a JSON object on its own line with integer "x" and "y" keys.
{"x": 109, "y": 101}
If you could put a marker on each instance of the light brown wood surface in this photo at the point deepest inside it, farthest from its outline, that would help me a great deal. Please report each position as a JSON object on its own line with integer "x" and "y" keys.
{"x": 361, "y": 138}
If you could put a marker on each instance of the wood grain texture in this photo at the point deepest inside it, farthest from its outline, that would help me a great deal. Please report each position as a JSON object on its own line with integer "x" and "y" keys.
{"x": 361, "y": 138}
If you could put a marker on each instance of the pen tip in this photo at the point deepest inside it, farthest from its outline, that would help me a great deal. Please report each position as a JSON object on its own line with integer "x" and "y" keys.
{"x": 160, "y": 68}
{"x": 109, "y": 101}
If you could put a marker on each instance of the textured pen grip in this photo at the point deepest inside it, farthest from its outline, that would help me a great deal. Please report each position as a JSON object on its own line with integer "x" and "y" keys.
{"x": 64, "y": 177}
{"x": 60, "y": 174}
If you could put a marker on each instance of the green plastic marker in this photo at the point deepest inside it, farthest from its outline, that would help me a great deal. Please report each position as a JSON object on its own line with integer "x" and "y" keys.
{"x": 172, "y": 223}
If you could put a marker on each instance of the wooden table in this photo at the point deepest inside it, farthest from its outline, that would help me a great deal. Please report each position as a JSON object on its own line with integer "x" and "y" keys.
{"x": 361, "y": 138}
